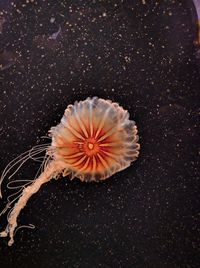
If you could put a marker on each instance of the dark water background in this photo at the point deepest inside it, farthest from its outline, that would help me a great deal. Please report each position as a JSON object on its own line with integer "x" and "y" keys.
{"x": 142, "y": 56}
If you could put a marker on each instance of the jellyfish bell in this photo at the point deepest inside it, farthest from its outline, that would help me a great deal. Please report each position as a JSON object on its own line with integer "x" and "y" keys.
{"x": 94, "y": 140}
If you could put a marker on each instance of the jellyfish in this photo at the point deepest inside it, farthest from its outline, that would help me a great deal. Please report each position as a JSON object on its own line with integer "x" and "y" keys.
{"x": 94, "y": 140}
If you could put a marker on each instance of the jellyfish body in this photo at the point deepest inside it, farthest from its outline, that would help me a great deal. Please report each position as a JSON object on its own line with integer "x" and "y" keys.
{"x": 94, "y": 140}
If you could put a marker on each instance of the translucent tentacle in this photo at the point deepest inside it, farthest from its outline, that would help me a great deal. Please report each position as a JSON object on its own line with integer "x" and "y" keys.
{"x": 16, "y": 195}
{"x": 19, "y": 161}
{"x": 21, "y": 184}
{"x": 29, "y": 226}
{"x": 53, "y": 169}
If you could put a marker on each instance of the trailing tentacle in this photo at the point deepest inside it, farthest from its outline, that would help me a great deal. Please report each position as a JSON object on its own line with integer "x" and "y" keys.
{"x": 13, "y": 167}
{"x": 53, "y": 169}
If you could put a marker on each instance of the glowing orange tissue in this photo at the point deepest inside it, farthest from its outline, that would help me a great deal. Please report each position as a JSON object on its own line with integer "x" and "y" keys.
{"x": 94, "y": 140}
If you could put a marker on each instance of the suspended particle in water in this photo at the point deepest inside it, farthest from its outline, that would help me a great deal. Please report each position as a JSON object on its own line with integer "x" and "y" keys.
{"x": 94, "y": 140}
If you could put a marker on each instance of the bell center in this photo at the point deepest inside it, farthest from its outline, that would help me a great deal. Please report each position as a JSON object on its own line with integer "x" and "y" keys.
{"x": 90, "y": 145}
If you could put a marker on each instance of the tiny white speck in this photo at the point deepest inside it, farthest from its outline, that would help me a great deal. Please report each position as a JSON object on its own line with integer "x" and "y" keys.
{"x": 52, "y": 20}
